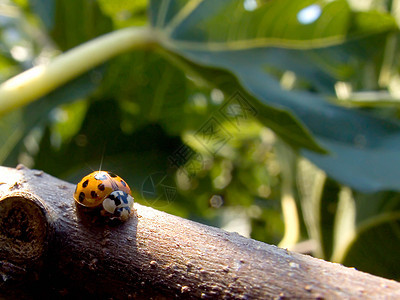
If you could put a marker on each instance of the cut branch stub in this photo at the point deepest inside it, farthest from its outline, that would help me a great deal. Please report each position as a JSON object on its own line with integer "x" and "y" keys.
{"x": 24, "y": 236}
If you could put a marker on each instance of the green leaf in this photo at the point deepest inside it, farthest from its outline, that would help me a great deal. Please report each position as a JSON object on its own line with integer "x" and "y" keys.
{"x": 71, "y": 23}
{"x": 276, "y": 118}
{"x": 150, "y": 90}
{"x": 124, "y": 12}
{"x": 367, "y": 232}
{"x": 376, "y": 246}
{"x": 363, "y": 147}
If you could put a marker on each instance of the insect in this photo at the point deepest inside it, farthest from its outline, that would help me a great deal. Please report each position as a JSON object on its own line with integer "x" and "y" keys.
{"x": 107, "y": 191}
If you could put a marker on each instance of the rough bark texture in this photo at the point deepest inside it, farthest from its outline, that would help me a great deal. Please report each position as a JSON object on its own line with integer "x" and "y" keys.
{"x": 49, "y": 247}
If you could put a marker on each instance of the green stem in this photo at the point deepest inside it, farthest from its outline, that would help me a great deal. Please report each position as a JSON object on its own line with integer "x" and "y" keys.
{"x": 40, "y": 80}
{"x": 287, "y": 159}
{"x": 290, "y": 218}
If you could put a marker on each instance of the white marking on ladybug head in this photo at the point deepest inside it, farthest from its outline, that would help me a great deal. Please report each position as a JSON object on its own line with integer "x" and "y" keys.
{"x": 118, "y": 203}
{"x": 109, "y": 205}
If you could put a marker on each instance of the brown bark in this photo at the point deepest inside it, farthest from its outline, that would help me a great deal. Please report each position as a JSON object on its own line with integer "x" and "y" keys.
{"x": 53, "y": 248}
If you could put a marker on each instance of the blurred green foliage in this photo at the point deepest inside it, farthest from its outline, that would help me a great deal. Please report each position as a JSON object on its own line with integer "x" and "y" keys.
{"x": 233, "y": 112}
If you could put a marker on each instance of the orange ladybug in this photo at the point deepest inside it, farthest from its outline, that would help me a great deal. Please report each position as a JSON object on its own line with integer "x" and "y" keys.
{"x": 106, "y": 189}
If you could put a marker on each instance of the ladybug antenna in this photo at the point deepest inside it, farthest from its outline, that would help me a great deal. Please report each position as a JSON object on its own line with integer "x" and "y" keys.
{"x": 89, "y": 167}
{"x": 102, "y": 156}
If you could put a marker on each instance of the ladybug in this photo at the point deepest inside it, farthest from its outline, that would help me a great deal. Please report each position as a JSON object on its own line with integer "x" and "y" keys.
{"x": 107, "y": 191}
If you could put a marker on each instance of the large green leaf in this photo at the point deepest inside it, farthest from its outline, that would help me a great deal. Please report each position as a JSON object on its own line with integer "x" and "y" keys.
{"x": 276, "y": 118}
{"x": 328, "y": 46}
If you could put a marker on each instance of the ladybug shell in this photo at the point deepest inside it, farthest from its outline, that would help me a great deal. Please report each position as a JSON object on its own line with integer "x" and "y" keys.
{"x": 95, "y": 187}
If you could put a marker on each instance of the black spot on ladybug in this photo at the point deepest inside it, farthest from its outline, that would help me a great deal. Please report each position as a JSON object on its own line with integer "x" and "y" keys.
{"x": 85, "y": 183}
{"x": 93, "y": 194}
{"x": 123, "y": 183}
{"x": 112, "y": 174}
{"x": 101, "y": 187}
{"x": 81, "y": 196}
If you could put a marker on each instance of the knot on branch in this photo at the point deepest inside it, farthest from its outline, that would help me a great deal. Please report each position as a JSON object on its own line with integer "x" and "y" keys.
{"x": 24, "y": 235}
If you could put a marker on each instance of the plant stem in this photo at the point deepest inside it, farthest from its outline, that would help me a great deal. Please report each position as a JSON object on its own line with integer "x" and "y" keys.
{"x": 288, "y": 161}
{"x": 40, "y": 80}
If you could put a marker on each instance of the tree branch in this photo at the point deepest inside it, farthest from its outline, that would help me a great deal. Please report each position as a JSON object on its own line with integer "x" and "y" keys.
{"x": 47, "y": 242}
